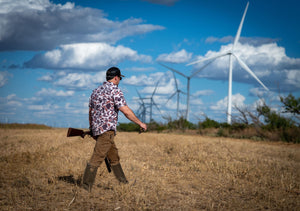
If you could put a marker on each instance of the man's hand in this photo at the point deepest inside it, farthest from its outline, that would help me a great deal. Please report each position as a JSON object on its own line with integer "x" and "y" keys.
{"x": 143, "y": 127}
{"x": 131, "y": 116}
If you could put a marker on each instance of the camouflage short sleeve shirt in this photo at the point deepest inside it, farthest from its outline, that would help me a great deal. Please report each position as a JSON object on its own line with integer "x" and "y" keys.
{"x": 104, "y": 103}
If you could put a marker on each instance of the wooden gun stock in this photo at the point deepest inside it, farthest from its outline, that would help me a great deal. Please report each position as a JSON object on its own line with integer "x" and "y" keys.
{"x": 77, "y": 132}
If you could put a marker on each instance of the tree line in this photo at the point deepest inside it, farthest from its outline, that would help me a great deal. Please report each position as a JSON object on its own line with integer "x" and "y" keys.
{"x": 264, "y": 123}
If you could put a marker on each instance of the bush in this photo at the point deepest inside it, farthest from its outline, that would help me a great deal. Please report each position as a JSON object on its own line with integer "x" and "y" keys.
{"x": 280, "y": 127}
{"x": 208, "y": 123}
{"x": 291, "y": 135}
{"x": 128, "y": 127}
{"x": 238, "y": 127}
{"x": 154, "y": 126}
{"x": 181, "y": 124}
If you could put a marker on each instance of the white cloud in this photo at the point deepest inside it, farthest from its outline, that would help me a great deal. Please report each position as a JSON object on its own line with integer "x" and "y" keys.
{"x": 14, "y": 103}
{"x": 172, "y": 105}
{"x": 43, "y": 25}
{"x": 269, "y": 63}
{"x": 10, "y": 103}
{"x": 255, "y": 41}
{"x": 175, "y": 57}
{"x": 4, "y": 76}
{"x": 8, "y": 6}
{"x": 44, "y": 109}
{"x": 293, "y": 78}
{"x": 165, "y": 80}
{"x": 164, "y": 87}
{"x": 258, "y": 92}
{"x": 140, "y": 69}
{"x": 221, "y": 105}
{"x": 203, "y": 93}
{"x": 54, "y": 93}
{"x": 144, "y": 80}
{"x": 80, "y": 81}
{"x": 85, "y": 56}
{"x": 196, "y": 101}
{"x": 46, "y": 78}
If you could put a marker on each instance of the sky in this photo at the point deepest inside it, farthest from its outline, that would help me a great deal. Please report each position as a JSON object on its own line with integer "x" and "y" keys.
{"x": 54, "y": 53}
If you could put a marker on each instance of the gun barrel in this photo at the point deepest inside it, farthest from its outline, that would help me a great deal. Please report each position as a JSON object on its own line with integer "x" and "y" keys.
{"x": 107, "y": 165}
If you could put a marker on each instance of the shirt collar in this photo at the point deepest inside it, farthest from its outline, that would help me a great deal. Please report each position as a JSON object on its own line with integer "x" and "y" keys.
{"x": 107, "y": 83}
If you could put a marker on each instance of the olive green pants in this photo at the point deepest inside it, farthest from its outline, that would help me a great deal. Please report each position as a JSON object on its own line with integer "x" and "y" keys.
{"x": 105, "y": 147}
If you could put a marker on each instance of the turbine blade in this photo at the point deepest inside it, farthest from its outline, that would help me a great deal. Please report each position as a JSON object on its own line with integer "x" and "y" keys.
{"x": 208, "y": 58}
{"x": 195, "y": 73}
{"x": 238, "y": 34}
{"x": 140, "y": 96}
{"x": 176, "y": 71}
{"x": 182, "y": 92}
{"x": 249, "y": 71}
{"x": 157, "y": 107}
{"x": 155, "y": 89}
{"x": 175, "y": 81}
{"x": 171, "y": 97}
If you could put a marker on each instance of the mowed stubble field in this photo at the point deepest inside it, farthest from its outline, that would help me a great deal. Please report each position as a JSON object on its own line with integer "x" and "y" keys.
{"x": 40, "y": 170}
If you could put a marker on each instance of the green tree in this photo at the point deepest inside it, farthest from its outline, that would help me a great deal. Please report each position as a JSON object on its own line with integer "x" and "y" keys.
{"x": 291, "y": 104}
{"x": 208, "y": 123}
{"x": 272, "y": 119}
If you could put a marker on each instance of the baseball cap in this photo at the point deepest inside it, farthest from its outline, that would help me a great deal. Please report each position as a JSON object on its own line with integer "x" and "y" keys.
{"x": 114, "y": 71}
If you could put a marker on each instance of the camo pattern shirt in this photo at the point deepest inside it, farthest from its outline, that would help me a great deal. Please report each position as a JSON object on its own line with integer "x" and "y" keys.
{"x": 104, "y": 104}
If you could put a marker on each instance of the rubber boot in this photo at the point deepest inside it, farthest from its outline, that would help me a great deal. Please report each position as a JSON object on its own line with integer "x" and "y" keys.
{"x": 89, "y": 177}
{"x": 119, "y": 174}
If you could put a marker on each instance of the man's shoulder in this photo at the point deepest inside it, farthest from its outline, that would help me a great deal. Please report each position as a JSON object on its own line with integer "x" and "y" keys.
{"x": 107, "y": 87}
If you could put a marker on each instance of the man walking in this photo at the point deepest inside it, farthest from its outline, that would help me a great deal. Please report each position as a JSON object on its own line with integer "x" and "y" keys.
{"x": 105, "y": 103}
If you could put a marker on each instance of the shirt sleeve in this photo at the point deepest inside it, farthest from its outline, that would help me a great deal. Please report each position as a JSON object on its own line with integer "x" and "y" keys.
{"x": 119, "y": 99}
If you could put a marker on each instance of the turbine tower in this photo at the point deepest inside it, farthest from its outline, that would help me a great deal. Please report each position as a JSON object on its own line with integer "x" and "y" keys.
{"x": 152, "y": 102}
{"x": 188, "y": 84}
{"x": 231, "y": 53}
{"x": 178, "y": 91}
{"x": 142, "y": 109}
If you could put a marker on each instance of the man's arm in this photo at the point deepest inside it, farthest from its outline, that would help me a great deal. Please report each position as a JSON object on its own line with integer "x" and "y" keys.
{"x": 131, "y": 116}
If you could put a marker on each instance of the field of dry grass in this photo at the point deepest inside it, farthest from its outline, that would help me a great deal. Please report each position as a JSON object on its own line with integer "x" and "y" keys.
{"x": 40, "y": 170}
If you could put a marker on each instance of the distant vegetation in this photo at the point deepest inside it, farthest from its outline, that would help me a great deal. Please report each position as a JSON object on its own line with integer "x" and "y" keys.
{"x": 128, "y": 127}
{"x": 23, "y": 126}
{"x": 262, "y": 124}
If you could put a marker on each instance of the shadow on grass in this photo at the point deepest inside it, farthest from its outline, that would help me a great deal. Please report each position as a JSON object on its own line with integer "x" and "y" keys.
{"x": 70, "y": 179}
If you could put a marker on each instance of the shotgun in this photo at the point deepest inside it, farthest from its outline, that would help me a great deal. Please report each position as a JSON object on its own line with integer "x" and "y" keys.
{"x": 77, "y": 132}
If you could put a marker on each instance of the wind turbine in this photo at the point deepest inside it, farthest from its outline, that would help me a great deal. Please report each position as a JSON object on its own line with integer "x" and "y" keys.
{"x": 152, "y": 102}
{"x": 243, "y": 65}
{"x": 178, "y": 91}
{"x": 142, "y": 107}
{"x": 188, "y": 84}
